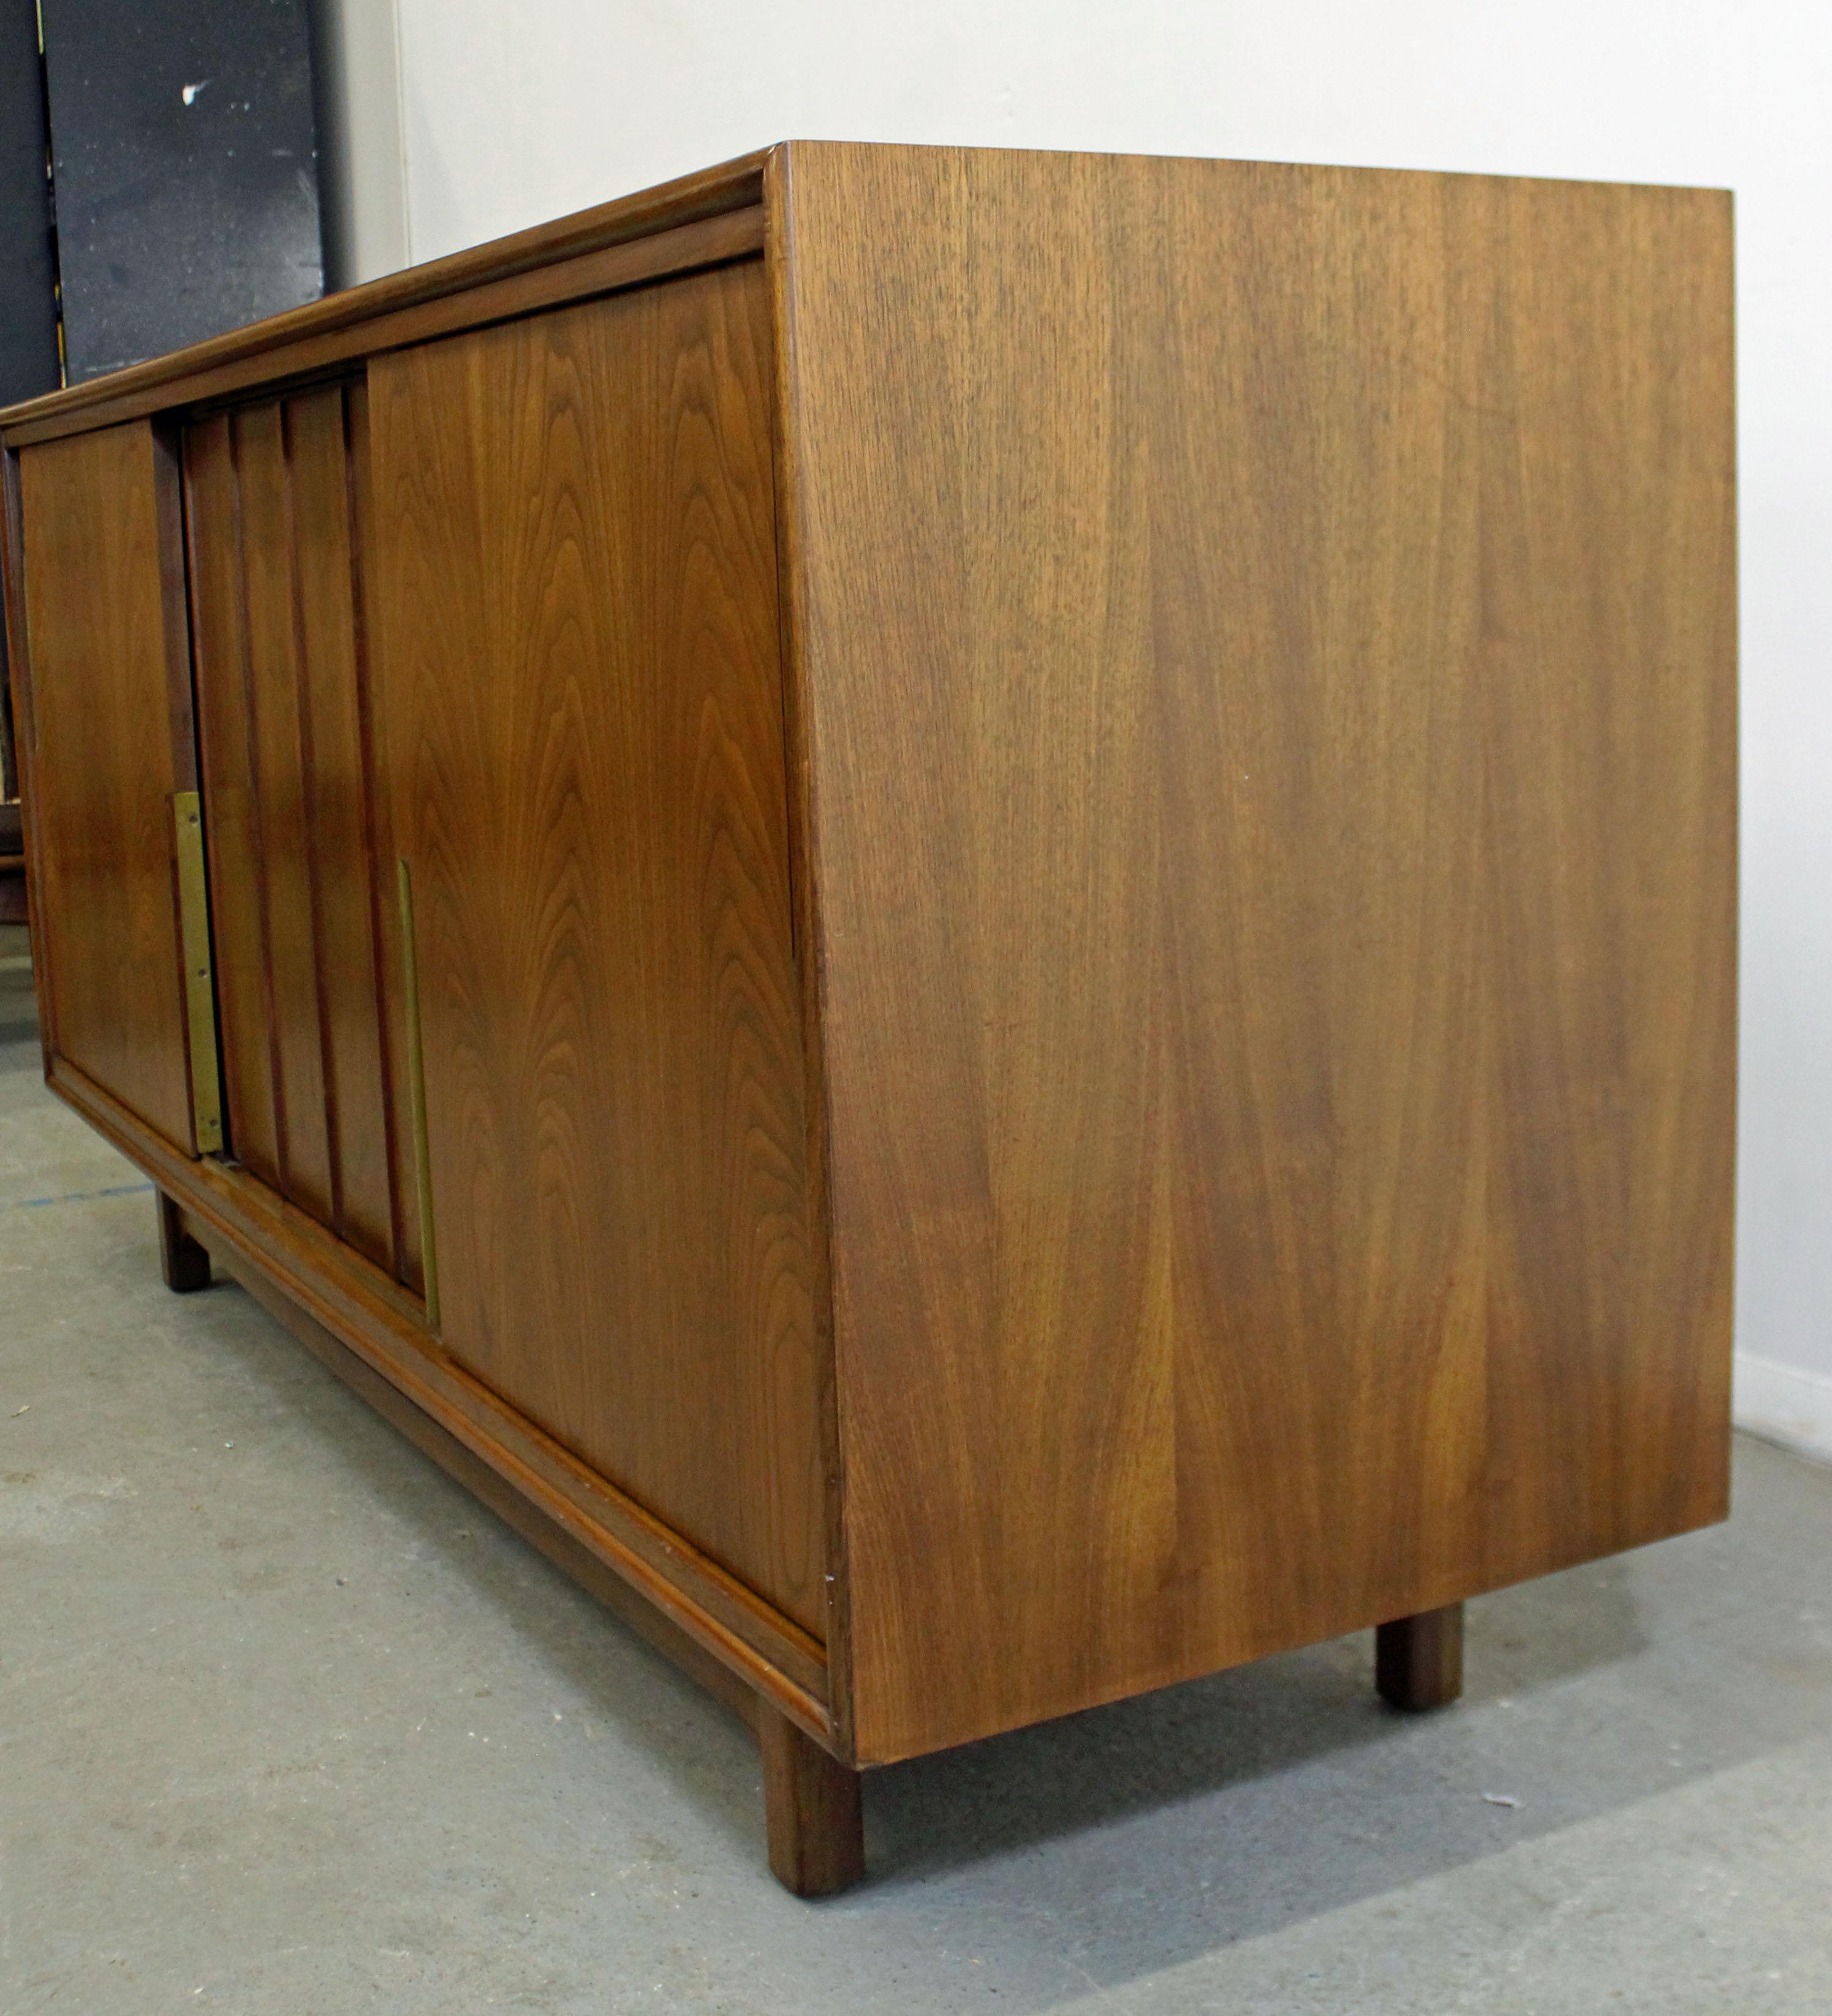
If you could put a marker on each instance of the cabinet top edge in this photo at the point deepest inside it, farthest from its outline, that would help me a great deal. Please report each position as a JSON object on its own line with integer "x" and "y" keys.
{"x": 732, "y": 186}
{"x": 737, "y": 185}
{"x": 1166, "y": 159}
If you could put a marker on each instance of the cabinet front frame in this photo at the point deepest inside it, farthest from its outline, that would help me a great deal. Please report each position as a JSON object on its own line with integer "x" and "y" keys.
{"x": 284, "y": 1252}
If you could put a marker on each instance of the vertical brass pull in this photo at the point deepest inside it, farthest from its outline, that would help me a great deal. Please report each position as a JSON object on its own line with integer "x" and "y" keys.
{"x": 416, "y": 1096}
{"x": 193, "y": 889}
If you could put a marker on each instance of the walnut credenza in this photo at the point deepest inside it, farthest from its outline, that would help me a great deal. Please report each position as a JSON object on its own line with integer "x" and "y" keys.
{"x": 973, "y": 912}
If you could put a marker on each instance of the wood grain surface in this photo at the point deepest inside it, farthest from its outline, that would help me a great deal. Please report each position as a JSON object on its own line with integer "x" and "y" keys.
{"x": 574, "y": 605}
{"x": 301, "y": 882}
{"x": 1266, "y": 649}
{"x": 109, "y": 705}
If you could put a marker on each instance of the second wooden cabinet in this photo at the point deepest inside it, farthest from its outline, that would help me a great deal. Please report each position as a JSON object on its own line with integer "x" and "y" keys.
{"x": 973, "y": 913}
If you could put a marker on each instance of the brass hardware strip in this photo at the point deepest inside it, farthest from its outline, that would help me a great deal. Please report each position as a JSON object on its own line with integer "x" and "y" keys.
{"x": 193, "y": 889}
{"x": 416, "y": 1096}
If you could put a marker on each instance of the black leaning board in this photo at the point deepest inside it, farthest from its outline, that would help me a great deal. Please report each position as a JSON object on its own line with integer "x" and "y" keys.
{"x": 28, "y": 299}
{"x": 184, "y": 145}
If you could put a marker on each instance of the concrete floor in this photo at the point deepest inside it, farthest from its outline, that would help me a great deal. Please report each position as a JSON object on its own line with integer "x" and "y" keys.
{"x": 287, "y": 1723}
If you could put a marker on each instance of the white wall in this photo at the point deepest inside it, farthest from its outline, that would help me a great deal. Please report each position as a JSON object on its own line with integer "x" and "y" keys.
{"x": 512, "y": 114}
{"x": 356, "y": 49}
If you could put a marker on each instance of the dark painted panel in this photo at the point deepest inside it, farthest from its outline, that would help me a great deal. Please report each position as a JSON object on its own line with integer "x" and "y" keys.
{"x": 186, "y": 168}
{"x": 28, "y": 301}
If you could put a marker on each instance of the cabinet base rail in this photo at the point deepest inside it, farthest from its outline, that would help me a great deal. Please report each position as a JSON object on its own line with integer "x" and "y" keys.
{"x": 812, "y": 1809}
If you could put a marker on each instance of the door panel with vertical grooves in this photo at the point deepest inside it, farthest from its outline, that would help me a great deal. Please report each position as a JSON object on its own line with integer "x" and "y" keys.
{"x": 301, "y": 882}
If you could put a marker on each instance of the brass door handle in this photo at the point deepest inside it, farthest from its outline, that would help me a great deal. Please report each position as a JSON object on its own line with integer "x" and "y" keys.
{"x": 416, "y": 1095}
{"x": 194, "y": 892}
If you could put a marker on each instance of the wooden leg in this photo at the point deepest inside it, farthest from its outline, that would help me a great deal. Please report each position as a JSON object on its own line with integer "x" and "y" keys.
{"x": 1418, "y": 1661}
{"x": 184, "y": 1263}
{"x": 811, "y": 1805}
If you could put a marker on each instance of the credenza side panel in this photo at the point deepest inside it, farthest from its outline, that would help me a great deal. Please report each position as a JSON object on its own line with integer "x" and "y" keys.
{"x": 1268, "y": 658}
{"x": 576, "y": 625}
{"x": 109, "y": 699}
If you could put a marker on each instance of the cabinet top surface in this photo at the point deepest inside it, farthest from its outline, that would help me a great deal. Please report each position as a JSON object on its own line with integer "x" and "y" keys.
{"x": 202, "y": 369}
